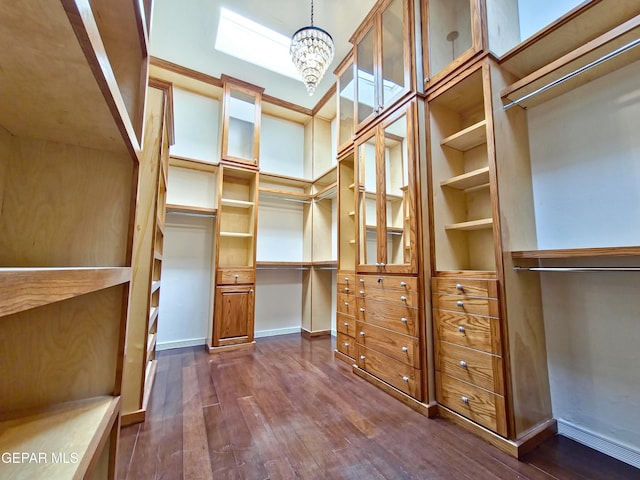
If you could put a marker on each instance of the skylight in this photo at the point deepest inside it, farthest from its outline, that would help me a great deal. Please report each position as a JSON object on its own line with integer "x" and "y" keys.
{"x": 254, "y": 43}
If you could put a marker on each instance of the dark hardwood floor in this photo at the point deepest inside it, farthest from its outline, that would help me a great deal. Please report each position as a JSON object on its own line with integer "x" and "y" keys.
{"x": 289, "y": 410}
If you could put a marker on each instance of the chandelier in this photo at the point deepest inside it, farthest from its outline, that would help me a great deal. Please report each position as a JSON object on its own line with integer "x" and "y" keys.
{"x": 312, "y": 51}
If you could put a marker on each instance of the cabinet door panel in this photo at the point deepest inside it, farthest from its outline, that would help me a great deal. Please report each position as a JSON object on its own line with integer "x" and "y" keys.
{"x": 233, "y": 320}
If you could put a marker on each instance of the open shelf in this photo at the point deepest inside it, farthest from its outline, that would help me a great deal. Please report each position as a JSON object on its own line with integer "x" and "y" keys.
{"x": 155, "y": 286}
{"x": 272, "y": 265}
{"x": 630, "y": 251}
{"x": 25, "y": 288}
{"x": 63, "y": 433}
{"x": 468, "y": 138}
{"x": 481, "y": 224}
{"x": 229, "y": 202}
{"x": 153, "y": 314}
{"x": 191, "y": 210}
{"x": 467, "y": 180}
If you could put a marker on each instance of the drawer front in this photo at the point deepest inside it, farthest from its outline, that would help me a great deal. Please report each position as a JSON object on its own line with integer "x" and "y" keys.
{"x": 385, "y": 282}
{"x": 465, "y": 286}
{"x": 481, "y": 406}
{"x": 398, "y": 374}
{"x": 464, "y": 304}
{"x": 481, "y": 333}
{"x": 346, "y": 289}
{"x": 395, "y": 345}
{"x": 346, "y": 304}
{"x": 346, "y": 324}
{"x": 346, "y": 345}
{"x": 398, "y": 297}
{"x": 399, "y": 318}
{"x": 479, "y": 368}
{"x": 233, "y": 277}
{"x": 346, "y": 278}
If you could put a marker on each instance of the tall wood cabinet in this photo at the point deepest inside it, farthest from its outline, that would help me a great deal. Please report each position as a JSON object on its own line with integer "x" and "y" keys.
{"x": 74, "y": 82}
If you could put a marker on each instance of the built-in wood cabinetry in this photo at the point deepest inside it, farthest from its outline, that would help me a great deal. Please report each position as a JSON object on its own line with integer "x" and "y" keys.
{"x": 233, "y": 316}
{"x": 148, "y": 241}
{"x": 383, "y": 51}
{"x": 71, "y": 108}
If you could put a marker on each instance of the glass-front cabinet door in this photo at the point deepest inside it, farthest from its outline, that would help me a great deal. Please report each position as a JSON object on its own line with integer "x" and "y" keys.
{"x": 386, "y": 196}
{"x": 241, "y": 124}
{"x": 346, "y": 96}
{"x": 454, "y": 35}
{"x": 383, "y": 60}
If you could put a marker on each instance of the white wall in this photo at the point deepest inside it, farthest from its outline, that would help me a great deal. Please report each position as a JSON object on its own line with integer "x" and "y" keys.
{"x": 585, "y": 154}
{"x": 536, "y": 14}
{"x": 187, "y": 281}
{"x": 280, "y": 231}
{"x": 191, "y": 187}
{"x": 278, "y": 302}
{"x": 196, "y": 124}
{"x": 281, "y": 147}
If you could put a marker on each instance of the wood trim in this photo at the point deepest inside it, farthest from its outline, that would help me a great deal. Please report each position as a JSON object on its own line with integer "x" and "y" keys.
{"x": 241, "y": 83}
{"x": 229, "y": 348}
{"x": 193, "y": 164}
{"x": 187, "y": 72}
{"x": 167, "y": 88}
{"x": 343, "y": 358}
{"x": 333, "y": 90}
{"x": 631, "y": 251}
{"x": 173, "y": 208}
{"x": 133, "y": 417}
{"x": 312, "y": 334}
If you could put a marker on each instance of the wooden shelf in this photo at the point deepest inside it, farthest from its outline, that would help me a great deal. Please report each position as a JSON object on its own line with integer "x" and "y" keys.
{"x": 468, "y": 138}
{"x": 467, "y": 180}
{"x": 229, "y": 202}
{"x": 631, "y": 251}
{"x": 191, "y": 210}
{"x": 278, "y": 179}
{"x": 25, "y": 288}
{"x": 69, "y": 430}
{"x": 533, "y": 89}
{"x": 236, "y": 234}
{"x": 153, "y": 314}
{"x": 155, "y": 286}
{"x": 481, "y": 224}
{"x": 151, "y": 342}
{"x": 272, "y": 265}
{"x": 287, "y": 194}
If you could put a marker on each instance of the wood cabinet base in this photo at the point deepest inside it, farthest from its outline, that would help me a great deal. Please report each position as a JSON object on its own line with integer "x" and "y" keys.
{"x": 345, "y": 358}
{"x": 428, "y": 410}
{"x": 228, "y": 348}
{"x": 316, "y": 333}
{"x": 515, "y": 448}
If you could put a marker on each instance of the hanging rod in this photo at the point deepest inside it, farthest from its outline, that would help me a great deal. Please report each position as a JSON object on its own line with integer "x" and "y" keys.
{"x": 286, "y": 199}
{"x": 576, "y": 269}
{"x": 190, "y": 214}
{"x": 575, "y": 73}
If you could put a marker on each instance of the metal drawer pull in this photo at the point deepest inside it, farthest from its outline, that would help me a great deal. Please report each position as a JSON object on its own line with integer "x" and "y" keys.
{"x": 346, "y": 279}
{"x": 362, "y": 334}
{"x": 459, "y": 287}
{"x": 362, "y": 280}
{"x": 237, "y": 276}
{"x": 405, "y": 379}
{"x": 403, "y": 284}
{"x": 361, "y": 292}
{"x": 405, "y": 349}
{"x": 362, "y": 357}
{"x": 463, "y": 364}
{"x": 346, "y": 324}
{"x": 346, "y": 304}
{"x": 460, "y": 303}
{"x": 403, "y": 298}
{"x": 346, "y": 289}
{"x": 383, "y": 264}
{"x": 465, "y": 400}
{"x": 461, "y": 329}
{"x": 346, "y": 344}
{"x": 378, "y": 264}
{"x": 403, "y": 320}
{"x": 362, "y": 310}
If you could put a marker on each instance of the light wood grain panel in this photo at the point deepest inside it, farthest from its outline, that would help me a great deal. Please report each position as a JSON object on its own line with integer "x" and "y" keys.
{"x": 54, "y": 188}
{"x": 474, "y": 331}
{"x": 345, "y": 278}
{"x": 465, "y": 286}
{"x": 346, "y": 304}
{"x": 398, "y": 318}
{"x": 226, "y": 276}
{"x": 234, "y": 315}
{"x": 6, "y": 140}
{"x": 466, "y": 304}
{"x": 397, "y": 297}
{"x": 346, "y": 345}
{"x": 61, "y": 352}
{"x": 403, "y": 348}
{"x": 395, "y": 373}
{"x": 346, "y": 324}
{"x": 479, "y": 368}
{"x": 404, "y": 284}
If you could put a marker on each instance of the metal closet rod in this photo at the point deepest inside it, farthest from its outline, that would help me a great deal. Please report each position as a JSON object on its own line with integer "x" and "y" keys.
{"x": 577, "y": 269}
{"x": 194, "y": 214}
{"x": 575, "y": 73}
{"x": 286, "y": 199}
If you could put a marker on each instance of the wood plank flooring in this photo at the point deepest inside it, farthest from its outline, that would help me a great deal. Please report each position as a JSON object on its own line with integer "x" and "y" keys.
{"x": 288, "y": 410}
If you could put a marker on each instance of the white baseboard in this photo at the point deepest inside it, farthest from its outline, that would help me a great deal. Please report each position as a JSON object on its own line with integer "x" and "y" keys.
{"x": 194, "y": 342}
{"x": 599, "y": 443}
{"x": 334, "y": 333}
{"x": 276, "y": 331}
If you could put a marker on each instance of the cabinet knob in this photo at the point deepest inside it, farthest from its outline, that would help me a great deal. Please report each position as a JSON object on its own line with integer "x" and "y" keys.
{"x": 403, "y": 284}
{"x": 383, "y": 264}
{"x": 403, "y": 298}
{"x": 362, "y": 280}
{"x": 405, "y": 349}
{"x": 461, "y": 329}
{"x": 346, "y": 344}
{"x": 460, "y": 303}
{"x": 405, "y": 379}
{"x": 346, "y": 279}
{"x": 237, "y": 276}
{"x": 459, "y": 287}
{"x": 362, "y": 310}
{"x": 379, "y": 279}
{"x": 377, "y": 264}
{"x": 251, "y": 291}
{"x": 362, "y": 334}
{"x": 346, "y": 289}
{"x": 346, "y": 324}
{"x": 403, "y": 320}
{"x": 362, "y": 357}
{"x": 463, "y": 364}
{"x": 465, "y": 400}
{"x": 361, "y": 292}
{"x": 346, "y": 304}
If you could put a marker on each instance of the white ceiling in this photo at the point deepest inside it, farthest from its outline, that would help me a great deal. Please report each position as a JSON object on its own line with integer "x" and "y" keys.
{"x": 184, "y": 32}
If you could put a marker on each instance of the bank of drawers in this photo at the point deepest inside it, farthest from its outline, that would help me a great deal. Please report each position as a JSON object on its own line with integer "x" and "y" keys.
{"x": 387, "y": 333}
{"x": 346, "y": 311}
{"x": 469, "y": 364}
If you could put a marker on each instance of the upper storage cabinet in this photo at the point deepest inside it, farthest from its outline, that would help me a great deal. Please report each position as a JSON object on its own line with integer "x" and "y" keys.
{"x": 241, "y": 114}
{"x": 386, "y": 203}
{"x": 382, "y": 59}
{"x": 346, "y": 108}
{"x": 453, "y": 35}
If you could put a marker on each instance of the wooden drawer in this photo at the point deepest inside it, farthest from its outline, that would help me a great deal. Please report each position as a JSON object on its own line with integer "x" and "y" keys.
{"x": 346, "y": 304}
{"x": 481, "y": 333}
{"x": 466, "y": 286}
{"x": 398, "y": 297}
{"x": 464, "y": 304}
{"x": 401, "y": 347}
{"x": 481, "y": 406}
{"x": 346, "y": 344}
{"x": 398, "y": 374}
{"x": 235, "y": 276}
{"x": 479, "y": 368}
{"x": 398, "y": 318}
{"x": 347, "y": 278}
{"x": 346, "y": 324}
{"x": 406, "y": 284}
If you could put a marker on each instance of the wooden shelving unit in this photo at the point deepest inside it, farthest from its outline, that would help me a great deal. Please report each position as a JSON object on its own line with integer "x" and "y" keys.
{"x": 475, "y": 178}
{"x": 191, "y": 210}
{"x": 467, "y": 138}
{"x": 630, "y": 251}
{"x": 471, "y": 225}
